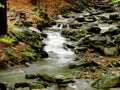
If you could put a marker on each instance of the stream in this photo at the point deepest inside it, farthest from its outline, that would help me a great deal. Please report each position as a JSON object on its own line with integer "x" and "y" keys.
{"x": 57, "y": 63}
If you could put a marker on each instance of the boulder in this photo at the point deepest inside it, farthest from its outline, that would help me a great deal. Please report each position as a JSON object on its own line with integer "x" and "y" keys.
{"x": 44, "y": 54}
{"x": 111, "y": 79}
{"x": 80, "y": 49}
{"x": 27, "y": 23}
{"x": 3, "y": 86}
{"x": 36, "y": 86}
{"x": 22, "y": 84}
{"x": 114, "y": 16}
{"x": 117, "y": 39}
{"x": 46, "y": 78}
{"x": 97, "y": 38}
{"x": 72, "y": 38}
{"x": 30, "y": 76}
{"x": 111, "y": 51}
{"x": 80, "y": 18}
{"x": 94, "y": 29}
{"x": 104, "y": 6}
{"x": 70, "y": 45}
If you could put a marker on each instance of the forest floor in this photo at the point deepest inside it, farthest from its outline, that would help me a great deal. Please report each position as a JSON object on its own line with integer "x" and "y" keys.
{"x": 48, "y": 6}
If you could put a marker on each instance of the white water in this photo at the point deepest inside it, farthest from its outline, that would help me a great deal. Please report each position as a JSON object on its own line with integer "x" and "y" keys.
{"x": 57, "y": 53}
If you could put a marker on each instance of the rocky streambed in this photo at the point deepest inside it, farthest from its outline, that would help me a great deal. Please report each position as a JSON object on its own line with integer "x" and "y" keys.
{"x": 84, "y": 54}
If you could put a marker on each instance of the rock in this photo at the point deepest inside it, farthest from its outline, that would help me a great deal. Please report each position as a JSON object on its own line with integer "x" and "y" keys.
{"x": 117, "y": 39}
{"x": 44, "y": 35}
{"x": 83, "y": 64}
{"x": 111, "y": 79}
{"x": 104, "y": 7}
{"x": 44, "y": 16}
{"x": 112, "y": 32}
{"x": 22, "y": 84}
{"x": 46, "y": 78}
{"x": 80, "y": 18}
{"x": 94, "y": 29}
{"x": 65, "y": 9}
{"x": 26, "y": 88}
{"x": 97, "y": 38}
{"x": 3, "y": 63}
{"x": 110, "y": 10}
{"x": 73, "y": 65}
{"x": 62, "y": 82}
{"x": 36, "y": 86}
{"x": 66, "y": 81}
{"x": 84, "y": 41}
{"x": 80, "y": 49}
{"x": 27, "y": 23}
{"x": 112, "y": 51}
{"x": 44, "y": 54}
{"x": 45, "y": 84}
{"x": 114, "y": 63}
{"x": 39, "y": 27}
{"x": 30, "y": 76}
{"x": 75, "y": 25}
{"x": 37, "y": 47}
{"x": 72, "y": 38}
{"x": 34, "y": 29}
{"x": 114, "y": 16}
{"x": 69, "y": 45}
{"x": 3, "y": 86}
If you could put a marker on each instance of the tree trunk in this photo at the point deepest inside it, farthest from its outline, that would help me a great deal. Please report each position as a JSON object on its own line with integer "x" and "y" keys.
{"x": 3, "y": 18}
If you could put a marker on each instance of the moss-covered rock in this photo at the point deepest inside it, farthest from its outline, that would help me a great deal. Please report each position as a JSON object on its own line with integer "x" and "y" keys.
{"x": 30, "y": 76}
{"x": 112, "y": 51}
{"x": 111, "y": 79}
{"x": 114, "y": 16}
{"x": 46, "y": 78}
{"x": 36, "y": 86}
{"x": 22, "y": 84}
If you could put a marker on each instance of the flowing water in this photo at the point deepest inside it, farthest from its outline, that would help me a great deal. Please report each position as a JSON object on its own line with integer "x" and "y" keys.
{"x": 56, "y": 64}
{"x": 58, "y": 60}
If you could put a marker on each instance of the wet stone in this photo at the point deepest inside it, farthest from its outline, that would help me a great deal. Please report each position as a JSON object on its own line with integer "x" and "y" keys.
{"x": 114, "y": 16}
{"x": 22, "y": 84}
{"x": 94, "y": 29}
{"x": 30, "y": 76}
{"x": 111, "y": 79}
{"x": 46, "y": 78}
{"x": 112, "y": 51}
{"x": 36, "y": 86}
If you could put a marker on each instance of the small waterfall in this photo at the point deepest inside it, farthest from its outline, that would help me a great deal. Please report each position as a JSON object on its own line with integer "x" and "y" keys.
{"x": 54, "y": 47}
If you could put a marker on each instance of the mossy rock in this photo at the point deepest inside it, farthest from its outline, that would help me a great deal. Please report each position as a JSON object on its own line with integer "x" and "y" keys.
{"x": 72, "y": 38}
{"x": 22, "y": 84}
{"x": 110, "y": 80}
{"x": 112, "y": 51}
{"x": 46, "y": 78}
{"x": 30, "y": 76}
{"x": 114, "y": 16}
{"x": 36, "y": 86}
{"x": 27, "y": 23}
{"x": 45, "y": 84}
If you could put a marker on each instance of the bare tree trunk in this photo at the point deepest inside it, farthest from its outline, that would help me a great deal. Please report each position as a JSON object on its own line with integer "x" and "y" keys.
{"x": 3, "y": 18}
